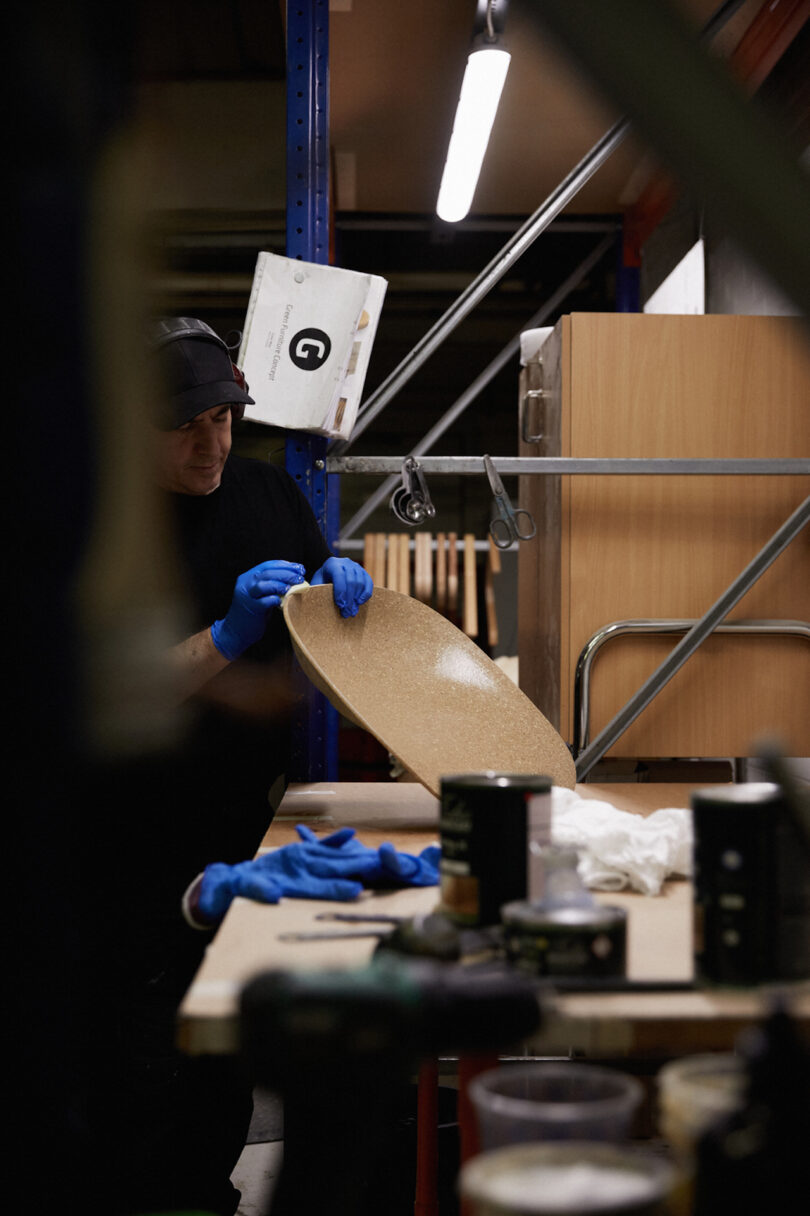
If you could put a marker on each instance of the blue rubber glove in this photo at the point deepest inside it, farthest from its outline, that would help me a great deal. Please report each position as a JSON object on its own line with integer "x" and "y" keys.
{"x": 351, "y": 584}
{"x": 255, "y": 594}
{"x": 383, "y": 866}
{"x": 335, "y": 867}
{"x": 286, "y": 871}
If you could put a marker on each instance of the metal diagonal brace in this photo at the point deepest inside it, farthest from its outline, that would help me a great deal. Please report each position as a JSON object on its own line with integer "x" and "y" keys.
{"x": 486, "y": 280}
{"x": 689, "y": 644}
{"x": 481, "y": 381}
{"x": 537, "y": 223}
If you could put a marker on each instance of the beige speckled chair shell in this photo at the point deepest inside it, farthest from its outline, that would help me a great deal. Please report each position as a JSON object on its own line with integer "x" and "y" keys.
{"x": 422, "y": 687}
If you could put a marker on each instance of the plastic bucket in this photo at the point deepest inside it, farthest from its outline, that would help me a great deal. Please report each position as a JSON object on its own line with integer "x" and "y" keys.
{"x": 694, "y": 1093}
{"x": 553, "y": 1101}
{"x": 568, "y": 1179}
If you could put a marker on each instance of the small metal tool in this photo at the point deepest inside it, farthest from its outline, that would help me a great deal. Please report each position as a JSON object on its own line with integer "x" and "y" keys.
{"x": 323, "y": 935}
{"x": 361, "y": 917}
{"x": 507, "y": 525}
{"x": 410, "y": 502}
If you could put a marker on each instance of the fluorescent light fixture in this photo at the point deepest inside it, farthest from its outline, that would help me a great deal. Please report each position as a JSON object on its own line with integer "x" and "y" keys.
{"x": 477, "y": 104}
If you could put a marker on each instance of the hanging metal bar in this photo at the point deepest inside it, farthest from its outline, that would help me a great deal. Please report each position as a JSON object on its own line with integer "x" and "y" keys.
{"x": 513, "y": 466}
{"x": 486, "y": 280}
{"x": 689, "y": 644}
{"x": 479, "y": 384}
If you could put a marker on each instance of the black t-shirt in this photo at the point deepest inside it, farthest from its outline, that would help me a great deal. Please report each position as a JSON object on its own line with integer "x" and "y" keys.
{"x": 235, "y": 750}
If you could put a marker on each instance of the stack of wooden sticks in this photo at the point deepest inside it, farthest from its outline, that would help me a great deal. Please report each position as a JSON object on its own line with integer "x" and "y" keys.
{"x": 442, "y": 572}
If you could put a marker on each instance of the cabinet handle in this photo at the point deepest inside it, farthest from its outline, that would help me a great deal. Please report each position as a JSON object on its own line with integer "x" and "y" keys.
{"x": 530, "y": 394}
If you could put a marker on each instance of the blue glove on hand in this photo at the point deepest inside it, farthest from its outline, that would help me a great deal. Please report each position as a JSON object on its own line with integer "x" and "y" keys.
{"x": 352, "y": 586}
{"x": 255, "y": 593}
{"x": 336, "y": 867}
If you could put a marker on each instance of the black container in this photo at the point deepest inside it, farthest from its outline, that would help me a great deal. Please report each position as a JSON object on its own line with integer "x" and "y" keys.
{"x": 492, "y": 826}
{"x": 577, "y": 940}
{"x": 751, "y": 887}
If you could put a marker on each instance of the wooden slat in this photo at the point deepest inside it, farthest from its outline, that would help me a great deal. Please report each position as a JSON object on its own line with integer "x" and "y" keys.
{"x": 493, "y": 566}
{"x": 452, "y": 576}
{"x": 469, "y": 621}
{"x": 404, "y": 559}
{"x": 379, "y": 559}
{"x": 441, "y": 573}
{"x": 368, "y": 554}
{"x": 423, "y": 574}
{"x": 392, "y": 563}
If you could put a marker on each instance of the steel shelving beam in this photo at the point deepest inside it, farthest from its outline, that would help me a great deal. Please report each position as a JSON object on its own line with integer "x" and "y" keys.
{"x": 315, "y": 741}
{"x": 513, "y": 466}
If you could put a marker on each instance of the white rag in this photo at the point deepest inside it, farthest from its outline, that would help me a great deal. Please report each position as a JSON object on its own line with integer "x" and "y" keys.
{"x": 618, "y": 849}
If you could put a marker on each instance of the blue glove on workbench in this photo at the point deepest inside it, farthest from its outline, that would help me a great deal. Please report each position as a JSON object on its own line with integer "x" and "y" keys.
{"x": 335, "y": 867}
{"x": 256, "y": 592}
{"x": 352, "y": 586}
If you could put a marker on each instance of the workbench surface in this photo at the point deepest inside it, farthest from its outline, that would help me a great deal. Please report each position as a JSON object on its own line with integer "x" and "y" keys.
{"x": 603, "y": 1024}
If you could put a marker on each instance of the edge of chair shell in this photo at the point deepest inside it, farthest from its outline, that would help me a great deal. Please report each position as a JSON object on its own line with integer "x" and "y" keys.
{"x": 305, "y": 586}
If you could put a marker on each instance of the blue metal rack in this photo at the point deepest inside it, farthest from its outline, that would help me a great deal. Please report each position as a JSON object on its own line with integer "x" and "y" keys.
{"x": 315, "y": 739}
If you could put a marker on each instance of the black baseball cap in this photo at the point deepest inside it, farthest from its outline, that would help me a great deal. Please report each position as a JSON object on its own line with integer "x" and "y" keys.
{"x": 197, "y": 370}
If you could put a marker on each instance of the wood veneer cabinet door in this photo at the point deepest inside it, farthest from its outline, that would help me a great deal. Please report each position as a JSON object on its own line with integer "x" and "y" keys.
{"x": 644, "y": 546}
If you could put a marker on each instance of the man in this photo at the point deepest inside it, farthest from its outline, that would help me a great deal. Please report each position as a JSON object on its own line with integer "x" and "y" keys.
{"x": 243, "y": 535}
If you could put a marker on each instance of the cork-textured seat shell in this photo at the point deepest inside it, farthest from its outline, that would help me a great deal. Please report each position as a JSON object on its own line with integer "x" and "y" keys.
{"x": 422, "y": 688}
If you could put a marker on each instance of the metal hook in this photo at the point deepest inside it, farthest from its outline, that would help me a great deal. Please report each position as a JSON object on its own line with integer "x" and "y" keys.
{"x": 410, "y": 502}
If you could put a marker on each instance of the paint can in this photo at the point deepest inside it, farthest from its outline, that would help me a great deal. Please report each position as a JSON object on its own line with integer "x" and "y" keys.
{"x": 581, "y": 940}
{"x": 751, "y": 920}
{"x": 493, "y": 828}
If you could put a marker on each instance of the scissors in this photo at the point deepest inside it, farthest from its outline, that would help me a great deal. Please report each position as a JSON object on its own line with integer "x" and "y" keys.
{"x": 508, "y": 525}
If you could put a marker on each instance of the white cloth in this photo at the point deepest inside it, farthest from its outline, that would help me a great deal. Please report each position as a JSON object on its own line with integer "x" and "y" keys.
{"x": 618, "y": 849}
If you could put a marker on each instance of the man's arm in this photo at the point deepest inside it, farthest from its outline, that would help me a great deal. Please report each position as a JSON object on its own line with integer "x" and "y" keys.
{"x": 194, "y": 662}
{"x": 200, "y": 657}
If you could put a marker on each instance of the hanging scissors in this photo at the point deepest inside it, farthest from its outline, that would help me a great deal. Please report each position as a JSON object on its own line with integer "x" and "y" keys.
{"x": 508, "y": 525}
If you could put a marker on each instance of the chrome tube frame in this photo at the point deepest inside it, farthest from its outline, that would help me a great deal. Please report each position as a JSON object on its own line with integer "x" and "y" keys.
{"x": 647, "y": 626}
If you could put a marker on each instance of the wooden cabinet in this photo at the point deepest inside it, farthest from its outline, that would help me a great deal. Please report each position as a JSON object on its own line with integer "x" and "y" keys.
{"x": 612, "y": 548}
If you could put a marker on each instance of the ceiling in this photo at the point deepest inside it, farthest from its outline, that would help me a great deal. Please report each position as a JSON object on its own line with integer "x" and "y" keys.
{"x": 394, "y": 75}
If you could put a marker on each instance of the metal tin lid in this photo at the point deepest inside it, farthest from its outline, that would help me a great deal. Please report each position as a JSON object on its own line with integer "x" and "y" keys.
{"x": 755, "y": 793}
{"x": 524, "y": 915}
{"x": 537, "y": 783}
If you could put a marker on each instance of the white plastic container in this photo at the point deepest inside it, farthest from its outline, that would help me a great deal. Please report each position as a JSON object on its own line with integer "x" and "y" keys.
{"x": 693, "y": 1093}
{"x": 518, "y": 1103}
{"x": 572, "y": 1179}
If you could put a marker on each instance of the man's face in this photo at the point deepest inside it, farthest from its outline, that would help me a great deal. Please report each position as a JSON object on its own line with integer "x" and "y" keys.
{"x": 190, "y": 460}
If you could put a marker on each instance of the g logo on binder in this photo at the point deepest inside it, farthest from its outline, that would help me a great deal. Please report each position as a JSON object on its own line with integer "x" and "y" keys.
{"x": 309, "y": 349}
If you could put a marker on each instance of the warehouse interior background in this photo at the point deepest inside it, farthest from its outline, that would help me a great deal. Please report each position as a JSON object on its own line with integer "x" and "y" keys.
{"x": 210, "y": 97}
{"x": 148, "y": 156}
{"x": 209, "y": 110}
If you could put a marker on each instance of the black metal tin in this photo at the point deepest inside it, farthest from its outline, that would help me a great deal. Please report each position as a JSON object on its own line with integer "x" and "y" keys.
{"x": 492, "y": 826}
{"x": 580, "y": 941}
{"x": 751, "y": 887}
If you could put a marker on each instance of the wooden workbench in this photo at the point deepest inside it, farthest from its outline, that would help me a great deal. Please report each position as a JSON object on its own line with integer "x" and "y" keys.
{"x": 604, "y": 1024}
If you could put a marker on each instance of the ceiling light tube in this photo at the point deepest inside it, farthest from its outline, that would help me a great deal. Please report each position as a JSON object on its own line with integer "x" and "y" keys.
{"x": 477, "y": 105}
